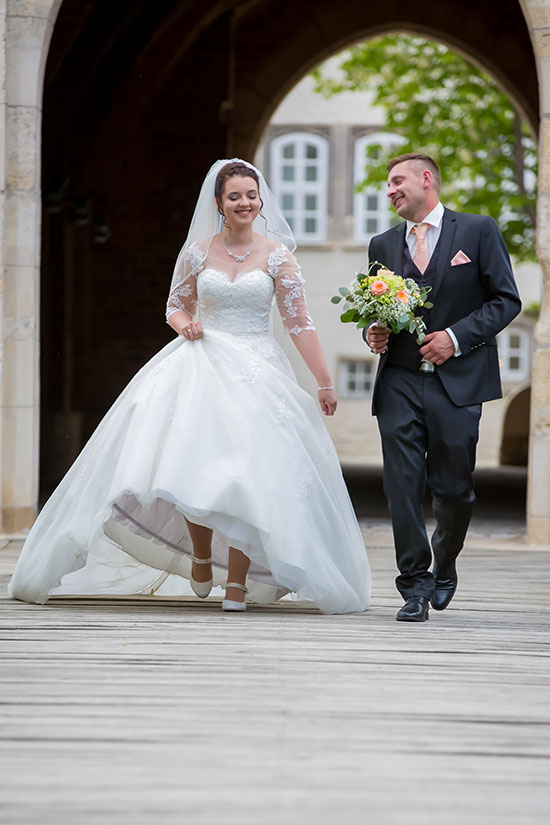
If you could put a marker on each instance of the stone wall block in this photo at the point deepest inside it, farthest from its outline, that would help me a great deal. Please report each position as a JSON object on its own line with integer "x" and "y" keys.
{"x": 544, "y": 86}
{"x": 19, "y": 329}
{"x": 26, "y": 57}
{"x": 22, "y": 141}
{"x": 3, "y": 117}
{"x": 543, "y": 218}
{"x": 542, "y": 329}
{"x": 19, "y": 385}
{"x": 540, "y": 393}
{"x": 541, "y": 41}
{"x": 2, "y": 58}
{"x": 19, "y": 448}
{"x": 30, "y": 8}
{"x": 544, "y": 165}
{"x": 22, "y": 228}
{"x": 537, "y": 14}
{"x": 538, "y": 493}
{"x": 21, "y": 292}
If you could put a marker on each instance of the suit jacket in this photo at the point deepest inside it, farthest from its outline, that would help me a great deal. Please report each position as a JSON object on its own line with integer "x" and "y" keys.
{"x": 475, "y": 300}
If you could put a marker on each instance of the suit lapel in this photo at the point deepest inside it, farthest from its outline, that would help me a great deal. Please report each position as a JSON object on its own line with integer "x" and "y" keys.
{"x": 448, "y": 230}
{"x": 395, "y": 249}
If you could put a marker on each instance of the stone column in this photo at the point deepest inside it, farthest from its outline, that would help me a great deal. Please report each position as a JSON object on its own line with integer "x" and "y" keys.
{"x": 26, "y": 26}
{"x": 538, "y": 485}
{"x": 537, "y": 13}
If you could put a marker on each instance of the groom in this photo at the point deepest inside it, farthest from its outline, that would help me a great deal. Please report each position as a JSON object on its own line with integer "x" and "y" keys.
{"x": 428, "y": 398}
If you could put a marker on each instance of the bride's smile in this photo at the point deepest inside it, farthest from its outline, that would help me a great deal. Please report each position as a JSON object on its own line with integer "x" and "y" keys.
{"x": 240, "y": 203}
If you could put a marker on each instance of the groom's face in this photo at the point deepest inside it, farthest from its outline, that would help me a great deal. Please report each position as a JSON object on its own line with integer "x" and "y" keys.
{"x": 408, "y": 190}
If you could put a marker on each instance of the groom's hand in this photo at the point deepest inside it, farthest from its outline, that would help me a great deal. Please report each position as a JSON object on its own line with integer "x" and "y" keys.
{"x": 437, "y": 347}
{"x": 377, "y": 339}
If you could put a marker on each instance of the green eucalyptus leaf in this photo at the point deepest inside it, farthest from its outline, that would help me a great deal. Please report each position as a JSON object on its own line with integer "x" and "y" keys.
{"x": 348, "y": 316}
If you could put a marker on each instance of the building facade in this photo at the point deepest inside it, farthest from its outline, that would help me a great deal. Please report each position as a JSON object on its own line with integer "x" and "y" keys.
{"x": 313, "y": 153}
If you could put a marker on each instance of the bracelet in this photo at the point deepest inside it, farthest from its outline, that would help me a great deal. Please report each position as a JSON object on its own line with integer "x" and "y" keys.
{"x": 324, "y": 388}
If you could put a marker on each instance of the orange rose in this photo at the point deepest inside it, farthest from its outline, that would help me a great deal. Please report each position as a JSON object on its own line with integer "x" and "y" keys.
{"x": 378, "y": 287}
{"x": 402, "y": 296}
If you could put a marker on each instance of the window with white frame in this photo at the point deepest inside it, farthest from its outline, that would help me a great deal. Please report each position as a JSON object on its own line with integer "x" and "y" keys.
{"x": 513, "y": 351}
{"x": 356, "y": 378}
{"x": 372, "y": 210}
{"x": 299, "y": 181}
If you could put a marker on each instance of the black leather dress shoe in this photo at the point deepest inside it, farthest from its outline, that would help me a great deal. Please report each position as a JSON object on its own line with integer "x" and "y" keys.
{"x": 445, "y": 588}
{"x": 415, "y": 609}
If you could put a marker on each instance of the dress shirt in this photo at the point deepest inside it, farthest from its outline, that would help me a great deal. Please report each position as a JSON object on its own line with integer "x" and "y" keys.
{"x": 434, "y": 219}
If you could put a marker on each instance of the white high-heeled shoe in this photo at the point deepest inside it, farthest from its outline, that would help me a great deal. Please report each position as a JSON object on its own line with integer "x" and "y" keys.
{"x": 229, "y": 604}
{"x": 201, "y": 589}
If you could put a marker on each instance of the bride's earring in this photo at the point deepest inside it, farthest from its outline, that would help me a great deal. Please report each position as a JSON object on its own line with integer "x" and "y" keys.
{"x": 222, "y": 213}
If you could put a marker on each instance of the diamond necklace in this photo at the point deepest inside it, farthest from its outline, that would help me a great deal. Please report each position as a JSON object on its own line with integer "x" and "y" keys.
{"x": 238, "y": 258}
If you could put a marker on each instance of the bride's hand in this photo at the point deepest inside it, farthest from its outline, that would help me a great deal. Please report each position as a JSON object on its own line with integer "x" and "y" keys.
{"x": 328, "y": 401}
{"x": 192, "y": 331}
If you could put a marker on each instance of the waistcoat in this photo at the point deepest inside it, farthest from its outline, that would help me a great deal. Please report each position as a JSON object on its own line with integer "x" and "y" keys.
{"x": 403, "y": 350}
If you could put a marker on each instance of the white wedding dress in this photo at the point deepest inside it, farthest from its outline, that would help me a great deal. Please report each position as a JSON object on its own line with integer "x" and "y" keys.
{"x": 219, "y": 431}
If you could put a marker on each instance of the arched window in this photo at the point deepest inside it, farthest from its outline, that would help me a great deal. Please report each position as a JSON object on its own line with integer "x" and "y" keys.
{"x": 372, "y": 210}
{"x": 513, "y": 350}
{"x": 299, "y": 181}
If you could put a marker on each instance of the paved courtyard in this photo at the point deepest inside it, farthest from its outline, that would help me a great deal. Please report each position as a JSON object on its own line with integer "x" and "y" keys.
{"x": 168, "y": 711}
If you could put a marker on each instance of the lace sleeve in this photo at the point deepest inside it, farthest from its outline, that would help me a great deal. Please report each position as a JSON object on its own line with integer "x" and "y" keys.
{"x": 183, "y": 291}
{"x": 289, "y": 290}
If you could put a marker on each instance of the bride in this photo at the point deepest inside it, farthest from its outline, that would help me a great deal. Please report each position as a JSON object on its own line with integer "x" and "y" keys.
{"x": 213, "y": 465}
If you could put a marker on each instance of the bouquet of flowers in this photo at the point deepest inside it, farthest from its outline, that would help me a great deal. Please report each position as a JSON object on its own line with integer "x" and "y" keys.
{"x": 386, "y": 298}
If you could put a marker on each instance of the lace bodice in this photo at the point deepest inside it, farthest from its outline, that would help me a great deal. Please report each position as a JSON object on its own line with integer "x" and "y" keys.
{"x": 239, "y": 306}
{"x": 242, "y": 305}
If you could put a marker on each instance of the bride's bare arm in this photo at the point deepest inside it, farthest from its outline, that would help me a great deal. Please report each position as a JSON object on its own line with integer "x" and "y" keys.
{"x": 308, "y": 345}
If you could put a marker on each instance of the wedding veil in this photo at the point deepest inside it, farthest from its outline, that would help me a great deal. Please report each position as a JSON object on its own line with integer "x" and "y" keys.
{"x": 207, "y": 222}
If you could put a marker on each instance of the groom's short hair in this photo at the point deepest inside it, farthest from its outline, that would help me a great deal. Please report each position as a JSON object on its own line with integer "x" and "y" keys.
{"x": 425, "y": 159}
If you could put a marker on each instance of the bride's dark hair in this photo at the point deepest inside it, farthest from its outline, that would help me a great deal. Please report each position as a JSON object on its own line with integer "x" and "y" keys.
{"x": 230, "y": 170}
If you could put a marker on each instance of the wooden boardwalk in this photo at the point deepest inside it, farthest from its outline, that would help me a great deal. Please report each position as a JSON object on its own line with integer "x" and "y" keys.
{"x": 164, "y": 711}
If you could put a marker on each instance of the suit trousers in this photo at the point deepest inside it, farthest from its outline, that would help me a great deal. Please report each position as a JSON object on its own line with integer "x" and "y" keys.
{"x": 427, "y": 441}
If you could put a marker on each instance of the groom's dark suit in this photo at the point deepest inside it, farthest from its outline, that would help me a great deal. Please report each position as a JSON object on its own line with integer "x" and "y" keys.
{"x": 429, "y": 421}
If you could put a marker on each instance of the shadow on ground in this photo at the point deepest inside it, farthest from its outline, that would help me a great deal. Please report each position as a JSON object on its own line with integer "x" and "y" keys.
{"x": 500, "y": 494}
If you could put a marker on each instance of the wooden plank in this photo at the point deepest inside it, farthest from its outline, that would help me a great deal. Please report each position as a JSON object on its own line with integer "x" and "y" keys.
{"x": 167, "y": 710}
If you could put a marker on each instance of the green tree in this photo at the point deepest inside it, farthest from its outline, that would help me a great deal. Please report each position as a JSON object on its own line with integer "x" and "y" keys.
{"x": 443, "y": 105}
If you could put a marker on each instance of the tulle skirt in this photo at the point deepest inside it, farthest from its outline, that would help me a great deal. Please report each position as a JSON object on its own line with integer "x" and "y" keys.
{"x": 216, "y": 431}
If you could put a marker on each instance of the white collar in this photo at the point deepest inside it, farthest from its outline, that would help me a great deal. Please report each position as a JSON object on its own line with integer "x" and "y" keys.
{"x": 434, "y": 218}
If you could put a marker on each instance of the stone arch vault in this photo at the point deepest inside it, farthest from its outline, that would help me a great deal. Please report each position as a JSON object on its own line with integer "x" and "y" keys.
{"x": 110, "y": 114}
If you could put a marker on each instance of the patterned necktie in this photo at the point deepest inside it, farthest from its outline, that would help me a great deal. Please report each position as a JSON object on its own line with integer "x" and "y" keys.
{"x": 421, "y": 252}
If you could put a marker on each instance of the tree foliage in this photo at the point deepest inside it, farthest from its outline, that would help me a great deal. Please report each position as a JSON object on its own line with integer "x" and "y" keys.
{"x": 443, "y": 105}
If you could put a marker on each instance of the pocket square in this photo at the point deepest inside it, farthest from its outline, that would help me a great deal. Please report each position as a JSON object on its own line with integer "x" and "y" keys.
{"x": 460, "y": 258}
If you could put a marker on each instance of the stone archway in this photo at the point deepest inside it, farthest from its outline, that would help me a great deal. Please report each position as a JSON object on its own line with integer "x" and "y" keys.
{"x": 160, "y": 87}
{"x": 26, "y": 32}
{"x": 514, "y": 444}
